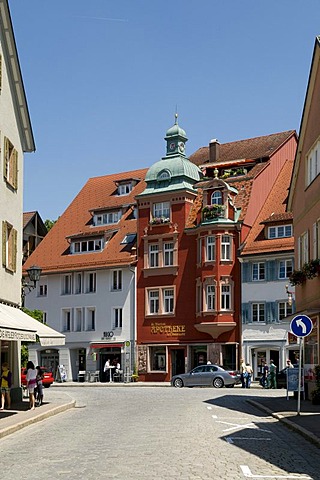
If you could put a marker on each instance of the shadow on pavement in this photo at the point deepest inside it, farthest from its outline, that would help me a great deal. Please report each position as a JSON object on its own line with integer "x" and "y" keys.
{"x": 261, "y": 439}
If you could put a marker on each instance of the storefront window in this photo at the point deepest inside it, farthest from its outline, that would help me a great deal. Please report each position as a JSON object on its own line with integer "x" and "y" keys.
{"x": 158, "y": 358}
{"x": 311, "y": 347}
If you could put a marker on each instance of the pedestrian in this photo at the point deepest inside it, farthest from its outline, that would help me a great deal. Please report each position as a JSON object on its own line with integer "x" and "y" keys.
{"x": 31, "y": 383}
{"x": 289, "y": 364}
{"x": 264, "y": 379}
{"x": 272, "y": 375}
{"x": 249, "y": 373}
{"x": 243, "y": 373}
{"x": 6, "y": 381}
{"x": 39, "y": 384}
{"x": 107, "y": 369}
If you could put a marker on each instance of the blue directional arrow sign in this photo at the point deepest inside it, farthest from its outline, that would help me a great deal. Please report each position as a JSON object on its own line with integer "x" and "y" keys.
{"x": 301, "y": 326}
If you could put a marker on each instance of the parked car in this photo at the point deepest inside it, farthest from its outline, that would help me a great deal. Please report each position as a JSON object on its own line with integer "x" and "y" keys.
{"x": 204, "y": 376}
{"x": 47, "y": 377}
{"x": 234, "y": 373}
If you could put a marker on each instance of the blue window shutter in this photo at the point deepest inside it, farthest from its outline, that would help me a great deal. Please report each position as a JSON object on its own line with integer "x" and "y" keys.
{"x": 271, "y": 308}
{"x": 245, "y": 312}
{"x": 271, "y": 273}
{"x": 246, "y": 268}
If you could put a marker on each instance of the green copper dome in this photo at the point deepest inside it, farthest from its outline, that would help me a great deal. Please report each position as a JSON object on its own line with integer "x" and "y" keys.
{"x": 175, "y": 131}
{"x": 177, "y": 166}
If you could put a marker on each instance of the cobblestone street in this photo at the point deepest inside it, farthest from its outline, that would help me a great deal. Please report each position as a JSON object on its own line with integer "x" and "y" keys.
{"x": 159, "y": 433}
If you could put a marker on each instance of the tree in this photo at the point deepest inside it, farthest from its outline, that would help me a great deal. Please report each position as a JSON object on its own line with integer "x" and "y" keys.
{"x": 38, "y": 315}
{"x": 49, "y": 223}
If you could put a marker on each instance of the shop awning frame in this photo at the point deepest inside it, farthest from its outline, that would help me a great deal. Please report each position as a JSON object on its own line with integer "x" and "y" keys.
{"x": 17, "y": 325}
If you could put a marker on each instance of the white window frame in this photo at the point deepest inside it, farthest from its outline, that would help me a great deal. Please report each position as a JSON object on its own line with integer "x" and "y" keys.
{"x": 116, "y": 279}
{"x": 66, "y": 320}
{"x": 210, "y": 248}
{"x": 225, "y": 297}
{"x": 90, "y": 319}
{"x": 284, "y": 310}
{"x": 90, "y": 282}
{"x": 124, "y": 189}
{"x": 43, "y": 290}
{"x": 258, "y": 271}
{"x": 107, "y": 218}
{"x": 9, "y": 245}
{"x": 66, "y": 284}
{"x": 78, "y": 320}
{"x": 117, "y": 317}
{"x": 280, "y": 231}
{"x": 216, "y": 198}
{"x": 226, "y": 247}
{"x": 258, "y": 309}
{"x": 168, "y": 249}
{"x": 168, "y": 300}
{"x": 77, "y": 280}
{"x": 313, "y": 163}
{"x": 153, "y": 301}
{"x": 153, "y": 255}
{"x": 211, "y": 297}
{"x": 285, "y": 269}
{"x": 161, "y": 209}
{"x": 87, "y": 246}
{"x": 316, "y": 239}
{"x": 160, "y": 301}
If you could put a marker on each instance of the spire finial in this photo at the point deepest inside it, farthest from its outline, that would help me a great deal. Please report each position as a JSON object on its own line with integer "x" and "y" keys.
{"x": 176, "y": 116}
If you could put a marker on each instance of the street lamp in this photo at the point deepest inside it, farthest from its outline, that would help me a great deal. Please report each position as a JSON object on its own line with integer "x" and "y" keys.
{"x": 290, "y": 296}
{"x": 34, "y": 274}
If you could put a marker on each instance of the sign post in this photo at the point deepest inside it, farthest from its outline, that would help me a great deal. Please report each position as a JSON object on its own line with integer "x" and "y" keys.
{"x": 301, "y": 326}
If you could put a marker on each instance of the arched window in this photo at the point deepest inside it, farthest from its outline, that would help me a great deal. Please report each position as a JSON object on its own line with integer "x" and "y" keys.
{"x": 216, "y": 198}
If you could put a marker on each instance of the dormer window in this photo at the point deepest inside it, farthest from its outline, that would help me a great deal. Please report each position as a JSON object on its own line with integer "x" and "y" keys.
{"x": 216, "y": 198}
{"x": 107, "y": 218}
{"x": 281, "y": 231}
{"x": 85, "y": 246}
{"x": 124, "y": 188}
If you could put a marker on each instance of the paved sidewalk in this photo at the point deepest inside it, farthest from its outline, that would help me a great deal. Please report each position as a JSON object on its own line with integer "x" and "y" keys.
{"x": 307, "y": 423}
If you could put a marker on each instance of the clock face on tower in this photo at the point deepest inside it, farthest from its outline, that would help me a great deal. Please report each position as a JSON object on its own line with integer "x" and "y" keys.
{"x": 181, "y": 147}
{"x": 172, "y": 146}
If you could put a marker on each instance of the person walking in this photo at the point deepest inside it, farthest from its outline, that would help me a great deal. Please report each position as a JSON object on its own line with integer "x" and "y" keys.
{"x": 272, "y": 375}
{"x": 248, "y": 378}
{"x": 6, "y": 380}
{"x": 243, "y": 373}
{"x": 289, "y": 364}
{"x": 264, "y": 379}
{"x": 39, "y": 379}
{"x": 31, "y": 383}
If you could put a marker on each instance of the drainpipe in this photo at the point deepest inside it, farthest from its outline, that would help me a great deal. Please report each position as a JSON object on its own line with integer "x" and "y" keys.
{"x": 133, "y": 270}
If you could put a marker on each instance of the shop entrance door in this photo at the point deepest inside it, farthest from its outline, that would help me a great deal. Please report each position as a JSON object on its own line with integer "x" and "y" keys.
{"x": 177, "y": 361}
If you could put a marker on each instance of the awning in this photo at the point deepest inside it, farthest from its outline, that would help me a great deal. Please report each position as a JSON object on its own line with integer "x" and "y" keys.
{"x": 17, "y": 325}
{"x": 106, "y": 345}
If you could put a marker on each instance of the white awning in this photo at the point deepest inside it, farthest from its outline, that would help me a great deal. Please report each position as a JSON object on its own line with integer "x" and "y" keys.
{"x": 17, "y": 325}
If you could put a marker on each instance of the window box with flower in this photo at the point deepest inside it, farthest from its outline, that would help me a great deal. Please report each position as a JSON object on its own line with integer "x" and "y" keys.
{"x": 214, "y": 211}
{"x": 159, "y": 220}
{"x": 308, "y": 271}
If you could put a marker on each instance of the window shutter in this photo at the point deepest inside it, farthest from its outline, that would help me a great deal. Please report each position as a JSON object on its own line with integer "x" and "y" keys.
{"x": 270, "y": 312}
{"x": 271, "y": 270}
{"x": 314, "y": 241}
{"x": 245, "y": 307}
{"x": 246, "y": 271}
{"x": 15, "y": 169}
{"x": 5, "y": 157}
{"x": 14, "y": 249}
{"x": 4, "y": 244}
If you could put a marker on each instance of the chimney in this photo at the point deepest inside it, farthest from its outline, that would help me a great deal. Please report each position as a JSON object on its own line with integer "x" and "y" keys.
{"x": 214, "y": 150}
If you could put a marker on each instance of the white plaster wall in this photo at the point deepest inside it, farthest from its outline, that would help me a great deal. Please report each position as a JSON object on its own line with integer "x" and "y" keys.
{"x": 10, "y": 202}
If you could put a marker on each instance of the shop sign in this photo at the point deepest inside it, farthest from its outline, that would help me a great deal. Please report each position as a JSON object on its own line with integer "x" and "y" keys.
{"x": 8, "y": 334}
{"x": 108, "y": 334}
{"x": 168, "y": 330}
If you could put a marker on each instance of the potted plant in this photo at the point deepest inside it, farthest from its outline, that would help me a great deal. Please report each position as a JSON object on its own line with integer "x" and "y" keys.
{"x": 312, "y": 268}
{"x": 315, "y": 395}
{"x": 297, "y": 277}
{"x": 159, "y": 220}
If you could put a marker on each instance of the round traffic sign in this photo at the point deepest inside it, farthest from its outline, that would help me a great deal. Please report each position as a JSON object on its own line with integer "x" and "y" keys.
{"x": 301, "y": 325}
{"x": 127, "y": 343}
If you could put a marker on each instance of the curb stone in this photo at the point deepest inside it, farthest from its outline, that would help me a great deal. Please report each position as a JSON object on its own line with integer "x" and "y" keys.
{"x": 297, "y": 428}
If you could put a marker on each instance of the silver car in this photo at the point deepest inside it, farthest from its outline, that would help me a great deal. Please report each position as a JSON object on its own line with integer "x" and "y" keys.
{"x": 204, "y": 376}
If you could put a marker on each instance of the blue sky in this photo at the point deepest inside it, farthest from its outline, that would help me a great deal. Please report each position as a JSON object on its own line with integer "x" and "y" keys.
{"x": 103, "y": 80}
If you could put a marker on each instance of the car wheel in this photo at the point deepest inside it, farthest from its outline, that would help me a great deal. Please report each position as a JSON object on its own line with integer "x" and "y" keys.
{"x": 178, "y": 383}
{"x": 218, "y": 382}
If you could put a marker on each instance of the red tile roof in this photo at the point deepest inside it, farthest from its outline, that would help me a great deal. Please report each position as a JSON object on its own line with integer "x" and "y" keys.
{"x": 27, "y": 217}
{"x": 53, "y": 252}
{"x": 274, "y": 210}
{"x": 251, "y": 148}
